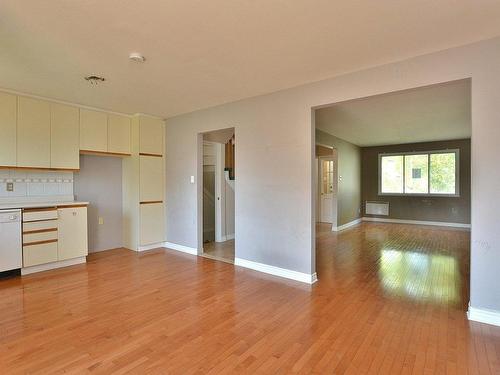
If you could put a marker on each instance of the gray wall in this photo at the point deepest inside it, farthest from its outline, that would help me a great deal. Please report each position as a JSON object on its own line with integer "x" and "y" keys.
{"x": 99, "y": 181}
{"x": 275, "y": 156}
{"x": 349, "y": 167}
{"x": 447, "y": 209}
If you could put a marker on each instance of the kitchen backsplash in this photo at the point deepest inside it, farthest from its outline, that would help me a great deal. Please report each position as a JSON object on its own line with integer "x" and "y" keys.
{"x": 36, "y": 185}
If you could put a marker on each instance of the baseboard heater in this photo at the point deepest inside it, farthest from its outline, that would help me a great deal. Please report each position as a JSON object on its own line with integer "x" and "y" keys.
{"x": 377, "y": 208}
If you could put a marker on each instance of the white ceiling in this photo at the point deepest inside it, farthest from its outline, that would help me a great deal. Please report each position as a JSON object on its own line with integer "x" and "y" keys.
{"x": 207, "y": 52}
{"x": 431, "y": 113}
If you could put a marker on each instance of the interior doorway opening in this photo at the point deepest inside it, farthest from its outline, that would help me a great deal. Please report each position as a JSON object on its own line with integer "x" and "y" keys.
{"x": 217, "y": 195}
{"x": 327, "y": 185}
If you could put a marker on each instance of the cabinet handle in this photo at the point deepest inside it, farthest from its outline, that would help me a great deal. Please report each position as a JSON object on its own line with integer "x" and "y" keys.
{"x": 74, "y": 213}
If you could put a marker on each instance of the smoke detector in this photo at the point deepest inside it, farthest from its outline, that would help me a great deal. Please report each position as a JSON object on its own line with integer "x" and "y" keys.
{"x": 137, "y": 57}
{"x": 94, "y": 80}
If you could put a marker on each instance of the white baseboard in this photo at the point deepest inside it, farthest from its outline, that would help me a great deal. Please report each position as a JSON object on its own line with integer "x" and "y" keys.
{"x": 182, "y": 248}
{"x": 225, "y": 238}
{"x": 484, "y": 316}
{"x": 150, "y": 247}
{"x": 417, "y": 222}
{"x": 347, "y": 225}
{"x": 53, "y": 265}
{"x": 277, "y": 271}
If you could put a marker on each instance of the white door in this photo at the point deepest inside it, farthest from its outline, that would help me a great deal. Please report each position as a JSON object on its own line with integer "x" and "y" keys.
{"x": 326, "y": 190}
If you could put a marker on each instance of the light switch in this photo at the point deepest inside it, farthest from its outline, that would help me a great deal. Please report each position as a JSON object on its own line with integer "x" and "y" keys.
{"x": 192, "y": 179}
{"x": 101, "y": 220}
{"x": 10, "y": 186}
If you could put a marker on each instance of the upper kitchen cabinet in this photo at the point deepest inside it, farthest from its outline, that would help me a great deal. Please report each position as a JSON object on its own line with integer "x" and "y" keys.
{"x": 33, "y": 133}
{"x": 118, "y": 134}
{"x": 93, "y": 131}
{"x": 64, "y": 139}
{"x": 151, "y": 135}
{"x": 8, "y": 124}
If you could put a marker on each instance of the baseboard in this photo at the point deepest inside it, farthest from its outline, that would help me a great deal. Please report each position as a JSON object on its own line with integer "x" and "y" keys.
{"x": 277, "y": 271}
{"x": 484, "y": 316}
{"x": 53, "y": 265}
{"x": 229, "y": 236}
{"x": 347, "y": 225}
{"x": 182, "y": 248}
{"x": 417, "y": 222}
{"x": 150, "y": 247}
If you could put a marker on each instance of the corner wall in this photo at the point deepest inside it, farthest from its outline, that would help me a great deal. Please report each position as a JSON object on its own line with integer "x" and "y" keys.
{"x": 349, "y": 176}
{"x": 99, "y": 182}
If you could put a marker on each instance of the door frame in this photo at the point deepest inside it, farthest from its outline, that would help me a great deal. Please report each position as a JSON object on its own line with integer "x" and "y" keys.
{"x": 334, "y": 158}
{"x": 220, "y": 156}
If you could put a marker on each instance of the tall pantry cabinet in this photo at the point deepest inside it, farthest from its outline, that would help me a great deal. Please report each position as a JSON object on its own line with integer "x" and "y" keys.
{"x": 144, "y": 185}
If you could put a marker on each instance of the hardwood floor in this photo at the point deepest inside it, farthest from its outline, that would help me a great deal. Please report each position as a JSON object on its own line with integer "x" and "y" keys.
{"x": 390, "y": 299}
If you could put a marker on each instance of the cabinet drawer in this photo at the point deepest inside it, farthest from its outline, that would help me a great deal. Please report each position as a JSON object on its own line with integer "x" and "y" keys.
{"x": 39, "y": 225}
{"x": 40, "y": 236}
{"x": 39, "y": 254}
{"x": 40, "y": 214}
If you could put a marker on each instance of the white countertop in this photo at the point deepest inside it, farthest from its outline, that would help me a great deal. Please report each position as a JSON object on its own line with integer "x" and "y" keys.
{"x": 10, "y": 206}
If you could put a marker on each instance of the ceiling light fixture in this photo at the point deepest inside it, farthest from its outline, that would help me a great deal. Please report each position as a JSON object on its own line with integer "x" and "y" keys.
{"x": 137, "y": 57}
{"x": 94, "y": 80}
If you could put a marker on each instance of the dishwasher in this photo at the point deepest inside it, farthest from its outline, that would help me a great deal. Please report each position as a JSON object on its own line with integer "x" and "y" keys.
{"x": 11, "y": 252}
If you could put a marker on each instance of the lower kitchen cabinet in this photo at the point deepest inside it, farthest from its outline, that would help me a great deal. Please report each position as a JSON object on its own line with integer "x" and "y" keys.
{"x": 72, "y": 231}
{"x": 39, "y": 253}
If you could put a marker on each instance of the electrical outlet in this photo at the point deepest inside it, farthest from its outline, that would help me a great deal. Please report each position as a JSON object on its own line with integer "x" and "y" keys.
{"x": 10, "y": 186}
{"x": 101, "y": 220}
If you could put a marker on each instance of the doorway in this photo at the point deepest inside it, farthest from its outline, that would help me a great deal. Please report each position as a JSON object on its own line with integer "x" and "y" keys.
{"x": 217, "y": 195}
{"x": 326, "y": 177}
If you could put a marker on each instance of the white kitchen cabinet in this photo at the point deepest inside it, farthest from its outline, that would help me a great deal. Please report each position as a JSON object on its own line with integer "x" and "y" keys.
{"x": 151, "y": 135}
{"x": 118, "y": 134}
{"x": 93, "y": 131}
{"x": 72, "y": 232}
{"x": 150, "y": 178}
{"x": 64, "y": 137}
{"x": 8, "y": 129}
{"x": 39, "y": 253}
{"x": 33, "y": 133}
{"x": 152, "y": 224}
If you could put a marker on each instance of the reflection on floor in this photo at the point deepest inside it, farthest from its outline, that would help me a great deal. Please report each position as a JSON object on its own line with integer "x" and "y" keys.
{"x": 219, "y": 250}
{"x": 418, "y": 263}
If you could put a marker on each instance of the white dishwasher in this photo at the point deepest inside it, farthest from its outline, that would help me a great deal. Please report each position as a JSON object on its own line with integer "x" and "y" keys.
{"x": 11, "y": 252}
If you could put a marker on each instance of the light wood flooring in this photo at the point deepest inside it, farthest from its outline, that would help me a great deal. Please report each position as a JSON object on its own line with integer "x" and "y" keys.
{"x": 391, "y": 299}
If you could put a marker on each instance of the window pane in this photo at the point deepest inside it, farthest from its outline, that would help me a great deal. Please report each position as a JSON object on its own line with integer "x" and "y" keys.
{"x": 443, "y": 173}
{"x": 416, "y": 174}
{"x": 392, "y": 174}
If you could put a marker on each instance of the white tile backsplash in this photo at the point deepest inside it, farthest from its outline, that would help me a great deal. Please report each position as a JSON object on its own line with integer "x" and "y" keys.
{"x": 34, "y": 184}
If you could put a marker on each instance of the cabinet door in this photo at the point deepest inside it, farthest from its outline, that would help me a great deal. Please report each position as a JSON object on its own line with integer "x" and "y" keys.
{"x": 72, "y": 231}
{"x": 33, "y": 133}
{"x": 151, "y": 226}
{"x": 151, "y": 135}
{"x": 150, "y": 178}
{"x": 118, "y": 134}
{"x": 64, "y": 137}
{"x": 93, "y": 131}
{"x": 8, "y": 123}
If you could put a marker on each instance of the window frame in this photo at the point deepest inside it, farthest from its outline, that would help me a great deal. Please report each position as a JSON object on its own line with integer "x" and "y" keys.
{"x": 456, "y": 151}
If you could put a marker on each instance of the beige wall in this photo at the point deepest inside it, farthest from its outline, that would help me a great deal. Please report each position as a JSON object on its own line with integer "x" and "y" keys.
{"x": 275, "y": 156}
{"x": 349, "y": 177}
{"x": 446, "y": 209}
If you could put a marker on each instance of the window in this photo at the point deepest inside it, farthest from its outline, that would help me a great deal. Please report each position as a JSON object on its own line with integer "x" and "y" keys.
{"x": 422, "y": 173}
